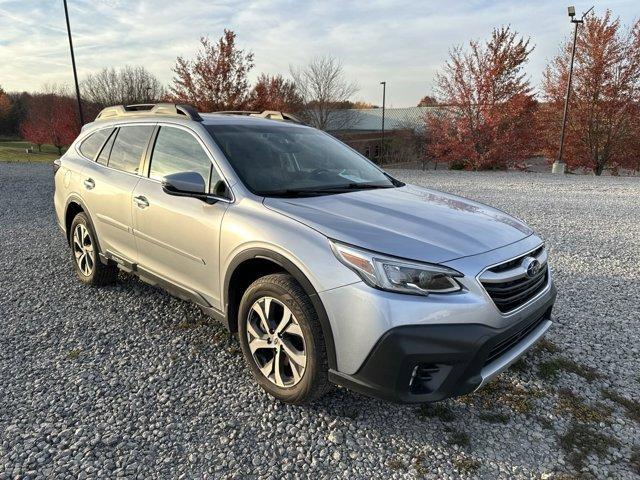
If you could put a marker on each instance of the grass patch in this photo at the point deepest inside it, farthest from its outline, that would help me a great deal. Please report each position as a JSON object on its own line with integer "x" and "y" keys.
{"x": 437, "y": 410}
{"x": 15, "y": 151}
{"x": 396, "y": 464}
{"x": 459, "y": 438}
{"x": 549, "y": 370}
{"x": 632, "y": 407}
{"x": 506, "y": 393}
{"x": 493, "y": 417}
{"x": 569, "y": 402}
{"x": 418, "y": 461}
{"x": 73, "y": 354}
{"x": 521, "y": 366}
{"x": 546, "y": 345}
{"x": 580, "y": 441}
{"x": 466, "y": 464}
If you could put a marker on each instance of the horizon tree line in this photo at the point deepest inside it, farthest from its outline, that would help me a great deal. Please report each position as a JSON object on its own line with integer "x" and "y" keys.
{"x": 487, "y": 113}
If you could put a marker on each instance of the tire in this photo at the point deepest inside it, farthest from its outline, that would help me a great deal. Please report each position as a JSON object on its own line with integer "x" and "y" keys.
{"x": 295, "y": 383}
{"x": 84, "y": 254}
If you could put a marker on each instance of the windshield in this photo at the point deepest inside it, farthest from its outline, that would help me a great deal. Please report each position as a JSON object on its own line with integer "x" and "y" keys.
{"x": 274, "y": 160}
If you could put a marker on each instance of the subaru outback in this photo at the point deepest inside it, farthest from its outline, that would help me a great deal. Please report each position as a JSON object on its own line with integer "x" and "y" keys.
{"x": 328, "y": 269}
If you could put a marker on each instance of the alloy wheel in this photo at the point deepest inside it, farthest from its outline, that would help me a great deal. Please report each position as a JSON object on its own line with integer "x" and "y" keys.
{"x": 276, "y": 342}
{"x": 83, "y": 249}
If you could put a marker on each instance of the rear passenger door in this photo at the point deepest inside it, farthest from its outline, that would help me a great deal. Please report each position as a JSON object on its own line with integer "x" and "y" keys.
{"x": 108, "y": 184}
{"x": 178, "y": 237}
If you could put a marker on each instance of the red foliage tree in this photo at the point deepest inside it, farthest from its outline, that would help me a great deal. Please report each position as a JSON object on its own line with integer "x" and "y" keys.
{"x": 51, "y": 118}
{"x": 428, "y": 101}
{"x": 486, "y": 120}
{"x": 216, "y": 79}
{"x": 5, "y": 111}
{"x": 603, "y": 128}
{"x": 275, "y": 93}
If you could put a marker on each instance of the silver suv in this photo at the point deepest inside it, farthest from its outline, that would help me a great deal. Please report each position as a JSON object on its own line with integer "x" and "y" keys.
{"x": 329, "y": 269}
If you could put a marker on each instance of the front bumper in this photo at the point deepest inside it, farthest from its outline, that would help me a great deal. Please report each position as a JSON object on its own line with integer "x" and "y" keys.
{"x": 427, "y": 363}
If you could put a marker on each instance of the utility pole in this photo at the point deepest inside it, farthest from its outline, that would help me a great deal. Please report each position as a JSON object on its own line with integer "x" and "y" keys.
{"x": 559, "y": 165}
{"x": 73, "y": 64}
{"x": 384, "y": 92}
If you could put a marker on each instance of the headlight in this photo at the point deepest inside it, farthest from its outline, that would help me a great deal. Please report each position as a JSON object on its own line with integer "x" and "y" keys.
{"x": 397, "y": 275}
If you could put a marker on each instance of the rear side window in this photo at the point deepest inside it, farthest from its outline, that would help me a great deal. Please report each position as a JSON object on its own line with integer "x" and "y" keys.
{"x": 128, "y": 147}
{"x": 103, "y": 158}
{"x": 91, "y": 145}
{"x": 176, "y": 151}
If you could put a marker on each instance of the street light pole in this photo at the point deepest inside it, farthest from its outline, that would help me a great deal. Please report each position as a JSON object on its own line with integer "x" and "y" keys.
{"x": 73, "y": 64}
{"x": 559, "y": 165}
{"x": 384, "y": 92}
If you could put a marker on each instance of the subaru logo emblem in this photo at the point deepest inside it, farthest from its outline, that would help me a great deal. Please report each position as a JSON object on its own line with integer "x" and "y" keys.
{"x": 532, "y": 266}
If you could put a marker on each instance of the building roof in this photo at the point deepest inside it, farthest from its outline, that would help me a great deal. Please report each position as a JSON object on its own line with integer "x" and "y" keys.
{"x": 370, "y": 119}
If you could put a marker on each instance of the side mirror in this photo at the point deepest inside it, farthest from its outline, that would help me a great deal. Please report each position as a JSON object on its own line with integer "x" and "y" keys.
{"x": 191, "y": 184}
{"x": 184, "y": 183}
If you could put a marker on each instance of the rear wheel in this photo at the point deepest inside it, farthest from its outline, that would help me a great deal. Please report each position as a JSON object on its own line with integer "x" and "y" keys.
{"x": 84, "y": 250}
{"x": 282, "y": 341}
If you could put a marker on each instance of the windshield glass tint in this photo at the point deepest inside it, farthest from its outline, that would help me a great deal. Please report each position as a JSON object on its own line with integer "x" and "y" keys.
{"x": 275, "y": 158}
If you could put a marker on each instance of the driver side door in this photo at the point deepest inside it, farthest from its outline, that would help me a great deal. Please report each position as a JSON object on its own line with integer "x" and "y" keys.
{"x": 178, "y": 237}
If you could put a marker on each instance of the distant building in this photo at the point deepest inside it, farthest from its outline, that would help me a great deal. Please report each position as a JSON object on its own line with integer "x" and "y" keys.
{"x": 361, "y": 129}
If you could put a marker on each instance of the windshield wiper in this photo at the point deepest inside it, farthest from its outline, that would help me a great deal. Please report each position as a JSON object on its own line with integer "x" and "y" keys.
{"x": 329, "y": 190}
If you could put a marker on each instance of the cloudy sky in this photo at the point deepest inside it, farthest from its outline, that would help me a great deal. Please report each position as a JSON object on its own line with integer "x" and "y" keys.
{"x": 401, "y": 42}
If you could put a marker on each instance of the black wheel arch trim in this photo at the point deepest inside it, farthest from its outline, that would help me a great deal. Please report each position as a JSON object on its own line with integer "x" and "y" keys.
{"x": 301, "y": 278}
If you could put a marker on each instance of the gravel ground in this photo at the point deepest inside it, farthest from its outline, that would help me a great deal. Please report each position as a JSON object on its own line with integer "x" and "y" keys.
{"x": 127, "y": 381}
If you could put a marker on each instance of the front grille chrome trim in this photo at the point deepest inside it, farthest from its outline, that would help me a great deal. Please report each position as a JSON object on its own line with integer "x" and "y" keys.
{"x": 539, "y": 256}
{"x": 514, "y": 273}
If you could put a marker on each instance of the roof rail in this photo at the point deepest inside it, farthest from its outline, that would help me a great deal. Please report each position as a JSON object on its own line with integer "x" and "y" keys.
{"x": 164, "y": 109}
{"x": 269, "y": 114}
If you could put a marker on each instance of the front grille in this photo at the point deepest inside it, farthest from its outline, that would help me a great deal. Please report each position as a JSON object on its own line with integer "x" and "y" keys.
{"x": 511, "y": 341}
{"x": 509, "y": 285}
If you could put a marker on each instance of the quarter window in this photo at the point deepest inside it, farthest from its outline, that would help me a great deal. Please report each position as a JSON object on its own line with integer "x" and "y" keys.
{"x": 128, "y": 147}
{"x": 91, "y": 145}
{"x": 176, "y": 151}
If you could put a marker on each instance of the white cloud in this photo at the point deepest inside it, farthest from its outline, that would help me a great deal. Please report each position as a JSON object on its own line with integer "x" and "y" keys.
{"x": 402, "y": 42}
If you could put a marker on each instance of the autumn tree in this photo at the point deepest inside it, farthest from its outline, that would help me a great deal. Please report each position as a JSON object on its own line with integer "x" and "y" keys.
{"x": 488, "y": 118}
{"x": 428, "y": 101}
{"x": 323, "y": 86}
{"x": 275, "y": 93}
{"x": 126, "y": 86}
{"x": 5, "y": 112}
{"x": 216, "y": 79}
{"x": 603, "y": 126}
{"x": 51, "y": 118}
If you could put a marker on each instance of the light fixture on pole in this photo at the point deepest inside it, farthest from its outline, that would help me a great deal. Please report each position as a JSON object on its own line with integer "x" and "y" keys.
{"x": 384, "y": 92}
{"x": 559, "y": 165}
{"x": 73, "y": 64}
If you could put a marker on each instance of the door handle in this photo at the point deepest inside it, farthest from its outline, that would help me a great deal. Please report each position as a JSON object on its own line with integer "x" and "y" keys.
{"x": 141, "y": 201}
{"x": 89, "y": 183}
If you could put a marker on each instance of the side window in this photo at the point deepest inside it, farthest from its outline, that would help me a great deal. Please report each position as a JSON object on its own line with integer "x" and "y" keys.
{"x": 175, "y": 151}
{"x": 128, "y": 147}
{"x": 90, "y": 146}
{"x": 103, "y": 158}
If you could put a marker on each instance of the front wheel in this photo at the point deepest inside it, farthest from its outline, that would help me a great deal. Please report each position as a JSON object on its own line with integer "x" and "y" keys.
{"x": 282, "y": 341}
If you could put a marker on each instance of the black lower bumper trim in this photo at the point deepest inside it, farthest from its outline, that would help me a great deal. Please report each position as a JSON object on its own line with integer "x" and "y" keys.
{"x": 427, "y": 363}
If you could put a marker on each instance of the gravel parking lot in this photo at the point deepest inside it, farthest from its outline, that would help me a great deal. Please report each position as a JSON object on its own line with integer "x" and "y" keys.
{"x": 127, "y": 381}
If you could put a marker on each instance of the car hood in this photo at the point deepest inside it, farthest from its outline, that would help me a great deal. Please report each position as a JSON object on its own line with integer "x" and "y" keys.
{"x": 408, "y": 222}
